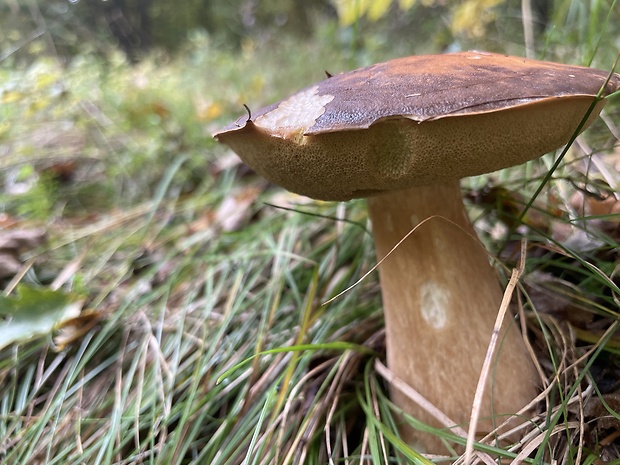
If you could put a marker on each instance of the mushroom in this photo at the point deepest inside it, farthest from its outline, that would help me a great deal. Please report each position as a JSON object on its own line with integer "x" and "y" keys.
{"x": 402, "y": 134}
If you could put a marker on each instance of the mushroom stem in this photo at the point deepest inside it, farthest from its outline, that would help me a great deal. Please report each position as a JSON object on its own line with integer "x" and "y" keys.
{"x": 441, "y": 297}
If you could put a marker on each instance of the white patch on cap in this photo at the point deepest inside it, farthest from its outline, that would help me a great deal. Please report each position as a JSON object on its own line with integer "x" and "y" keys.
{"x": 295, "y": 115}
{"x": 434, "y": 301}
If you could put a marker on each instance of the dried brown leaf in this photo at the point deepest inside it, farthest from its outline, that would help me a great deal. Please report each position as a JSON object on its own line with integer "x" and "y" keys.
{"x": 13, "y": 243}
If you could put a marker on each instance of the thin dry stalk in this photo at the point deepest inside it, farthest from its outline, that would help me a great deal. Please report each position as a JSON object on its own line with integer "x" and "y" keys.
{"x": 488, "y": 360}
{"x": 375, "y": 408}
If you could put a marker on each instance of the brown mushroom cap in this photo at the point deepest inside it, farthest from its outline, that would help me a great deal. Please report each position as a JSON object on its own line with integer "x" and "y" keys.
{"x": 416, "y": 121}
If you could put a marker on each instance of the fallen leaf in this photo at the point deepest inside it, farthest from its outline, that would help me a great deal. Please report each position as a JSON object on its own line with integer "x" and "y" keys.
{"x": 228, "y": 162}
{"x": 9, "y": 264}
{"x": 508, "y": 204}
{"x": 62, "y": 172}
{"x": 600, "y": 213}
{"x": 74, "y": 328}
{"x": 12, "y": 244}
{"x": 603, "y": 425}
{"x": 591, "y": 205}
{"x": 555, "y": 296}
{"x": 235, "y": 208}
{"x": 231, "y": 214}
{"x": 18, "y": 239}
{"x": 34, "y": 312}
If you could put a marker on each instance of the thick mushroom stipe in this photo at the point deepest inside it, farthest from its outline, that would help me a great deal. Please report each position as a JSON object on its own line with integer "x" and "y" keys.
{"x": 440, "y": 298}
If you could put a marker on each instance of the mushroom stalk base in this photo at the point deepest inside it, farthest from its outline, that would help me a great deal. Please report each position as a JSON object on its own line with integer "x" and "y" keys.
{"x": 441, "y": 297}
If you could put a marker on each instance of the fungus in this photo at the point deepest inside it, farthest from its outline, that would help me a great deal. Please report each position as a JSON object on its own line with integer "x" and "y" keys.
{"x": 402, "y": 134}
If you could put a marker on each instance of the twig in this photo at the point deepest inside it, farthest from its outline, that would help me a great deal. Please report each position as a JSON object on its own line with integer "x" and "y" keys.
{"x": 488, "y": 360}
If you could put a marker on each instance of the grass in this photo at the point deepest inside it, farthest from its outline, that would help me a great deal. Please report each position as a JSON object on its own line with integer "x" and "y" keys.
{"x": 188, "y": 269}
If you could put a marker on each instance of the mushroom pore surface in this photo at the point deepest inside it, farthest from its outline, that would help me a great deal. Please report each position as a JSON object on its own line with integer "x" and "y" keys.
{"x": 396, "y": 153}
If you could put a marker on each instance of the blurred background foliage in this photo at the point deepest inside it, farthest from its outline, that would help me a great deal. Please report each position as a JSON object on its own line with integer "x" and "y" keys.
{"x": 66, "y": 28}
{"x": 140, "y": 26}
{"x": 91, "y": 90}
